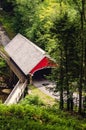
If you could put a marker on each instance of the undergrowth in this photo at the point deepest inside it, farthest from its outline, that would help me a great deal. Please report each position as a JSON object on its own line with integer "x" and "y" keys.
{"x": 32, "y": 114}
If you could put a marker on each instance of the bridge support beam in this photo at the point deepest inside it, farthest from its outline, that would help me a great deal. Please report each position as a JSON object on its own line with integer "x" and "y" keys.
{"x": 31, "y": 81}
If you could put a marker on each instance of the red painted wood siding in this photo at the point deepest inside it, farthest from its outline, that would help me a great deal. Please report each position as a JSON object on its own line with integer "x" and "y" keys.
{"x": 44, "y": 63}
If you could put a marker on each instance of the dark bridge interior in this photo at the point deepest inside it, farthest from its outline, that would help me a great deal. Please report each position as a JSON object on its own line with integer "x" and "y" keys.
{"x": 41, "y": 74}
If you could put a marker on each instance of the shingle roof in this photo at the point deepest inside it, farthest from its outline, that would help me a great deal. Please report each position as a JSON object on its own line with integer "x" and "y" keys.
{"x": 24, "y": 53}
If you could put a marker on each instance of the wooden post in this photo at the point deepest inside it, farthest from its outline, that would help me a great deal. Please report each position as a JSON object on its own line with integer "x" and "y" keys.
{"x": 31, "y": 82}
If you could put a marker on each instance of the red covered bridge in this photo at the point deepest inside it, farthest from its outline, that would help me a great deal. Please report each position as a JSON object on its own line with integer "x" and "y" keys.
{"x": 27, "y": 56}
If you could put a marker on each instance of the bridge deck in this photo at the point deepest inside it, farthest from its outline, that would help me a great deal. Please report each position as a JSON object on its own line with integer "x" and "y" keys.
{"x": 16, "y": 93}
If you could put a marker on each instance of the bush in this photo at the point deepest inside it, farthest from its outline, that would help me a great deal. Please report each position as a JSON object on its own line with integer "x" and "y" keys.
{"x": 33, "y": 117}
{"x": 33, "y": 100}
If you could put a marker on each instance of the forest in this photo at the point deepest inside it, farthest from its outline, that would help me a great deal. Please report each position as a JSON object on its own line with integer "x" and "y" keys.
{"x": 58, "y": 27}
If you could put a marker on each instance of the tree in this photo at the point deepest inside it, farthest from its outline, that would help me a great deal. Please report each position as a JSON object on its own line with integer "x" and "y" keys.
{"x": 65, "y": 31}
{"x": 24, "y": 15}
{"x": 80, "y": 7}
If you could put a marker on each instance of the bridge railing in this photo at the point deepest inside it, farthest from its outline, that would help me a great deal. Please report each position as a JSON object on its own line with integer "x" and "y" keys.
{"x": 12, "y": 92}
{"x": 18, "y": 95}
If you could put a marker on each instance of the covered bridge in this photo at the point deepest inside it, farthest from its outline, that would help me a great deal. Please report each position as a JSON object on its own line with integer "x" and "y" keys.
{"x": 27, "y": 56}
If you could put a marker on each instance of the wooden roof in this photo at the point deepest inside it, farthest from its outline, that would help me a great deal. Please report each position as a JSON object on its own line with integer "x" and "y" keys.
{"x": 24, "y": 53}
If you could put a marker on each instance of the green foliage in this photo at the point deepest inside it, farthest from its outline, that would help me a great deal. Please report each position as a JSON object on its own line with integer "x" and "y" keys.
{"x": 66, "y": 32}
{"x": 25, "y": 117}
{"x": 7, "y": 21}
{"x": 4, "y": 70}
{"x": 2, "y": 63}
{"x": 24, "y": 14}
{"x": 52, "y": 25}
{"x": 35, "y": 18}
{"x": 33, "y": 100}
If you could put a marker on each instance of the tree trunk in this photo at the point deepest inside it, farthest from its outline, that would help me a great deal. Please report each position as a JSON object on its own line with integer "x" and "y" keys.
{"x": 61, "y": 83}
{"x": 82, "y": 57}
{"x": 67, "y": 84}
{"x": 84, "y": 12}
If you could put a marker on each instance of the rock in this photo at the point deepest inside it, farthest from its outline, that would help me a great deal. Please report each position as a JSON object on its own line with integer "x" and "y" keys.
{"x": 7, "y": 91}
{"x": 4, "y": 39}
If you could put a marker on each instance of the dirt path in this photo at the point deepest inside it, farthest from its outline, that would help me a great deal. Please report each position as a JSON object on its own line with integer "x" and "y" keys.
{"x": 46, "y": 87}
